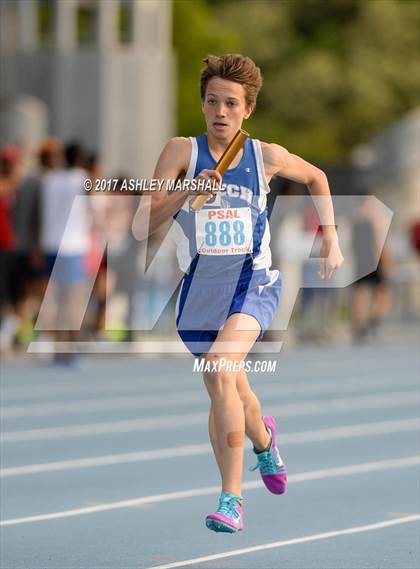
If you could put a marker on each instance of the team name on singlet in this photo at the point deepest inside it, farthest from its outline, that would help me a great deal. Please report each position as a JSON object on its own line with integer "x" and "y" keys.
{"x": 231, "y": 191}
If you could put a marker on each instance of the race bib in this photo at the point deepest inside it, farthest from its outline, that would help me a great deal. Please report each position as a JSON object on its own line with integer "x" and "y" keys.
{"x": 224, "y": 231}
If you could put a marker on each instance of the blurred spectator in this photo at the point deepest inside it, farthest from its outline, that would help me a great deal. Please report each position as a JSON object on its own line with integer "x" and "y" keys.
{"x": 96, "y": 258}
{"x": 64, "y": 240}
{"x": 94, "y": 168}
{"x": 157, "y": 287}
{"x": 415, "y": 237}
{"x": 9, "y": 179}
{"x": 371, "y": 294}
{"x": 318, "y": 306}
{"x": 26, "y": 216}
{"x": 113, "y": 214}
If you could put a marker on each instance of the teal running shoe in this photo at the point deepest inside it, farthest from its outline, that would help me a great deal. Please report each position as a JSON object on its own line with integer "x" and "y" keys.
{"x": 229, "y": 515}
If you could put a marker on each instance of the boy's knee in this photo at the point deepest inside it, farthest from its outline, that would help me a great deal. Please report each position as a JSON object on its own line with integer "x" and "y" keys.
{"x": 218, "y": 376}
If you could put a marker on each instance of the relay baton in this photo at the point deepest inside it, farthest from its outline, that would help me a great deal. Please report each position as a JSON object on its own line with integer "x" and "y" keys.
{"x": 223, "y": 164}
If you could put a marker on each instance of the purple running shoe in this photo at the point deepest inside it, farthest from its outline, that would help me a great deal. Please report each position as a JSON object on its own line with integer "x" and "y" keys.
{"x": 272, "y": 468}
{"x": 228, "y": 517}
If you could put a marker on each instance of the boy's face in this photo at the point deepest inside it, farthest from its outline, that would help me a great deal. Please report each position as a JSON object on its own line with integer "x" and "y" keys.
{"x": 224, "y": 108}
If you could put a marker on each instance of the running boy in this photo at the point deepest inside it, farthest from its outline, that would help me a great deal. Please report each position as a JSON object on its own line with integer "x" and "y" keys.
{"x": 229, "y": 295}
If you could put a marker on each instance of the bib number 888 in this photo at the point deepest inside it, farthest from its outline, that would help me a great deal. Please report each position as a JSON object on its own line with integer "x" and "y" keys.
{"x": 227, "y": 232}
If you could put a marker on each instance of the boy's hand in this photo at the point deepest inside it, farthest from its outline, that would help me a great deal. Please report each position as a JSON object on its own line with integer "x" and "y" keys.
{"x": 331, "y": 256}
{"x": 211, "y": 175}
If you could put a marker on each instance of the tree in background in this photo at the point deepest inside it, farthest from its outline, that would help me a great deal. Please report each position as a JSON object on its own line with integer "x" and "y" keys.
{"x": 196, "y": 33}
{"x": 336, "y": 71}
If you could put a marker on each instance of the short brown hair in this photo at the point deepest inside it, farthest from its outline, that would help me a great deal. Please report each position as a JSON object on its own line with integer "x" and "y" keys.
{"x": 234, "y": 67}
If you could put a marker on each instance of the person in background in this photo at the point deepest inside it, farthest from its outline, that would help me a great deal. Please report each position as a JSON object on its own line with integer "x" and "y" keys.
{"x": 96, "y": 262}
{"x": 371, "y": 294}
{"x": 415, "y": 236}
{"x": 120, "y": 269}
{"x": 30, "y": 281}
{"x": 10, "y": 175}
{"x": 64, "y": 240}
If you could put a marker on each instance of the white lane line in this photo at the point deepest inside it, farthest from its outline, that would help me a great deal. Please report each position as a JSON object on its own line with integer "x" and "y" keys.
{"x": 185, "y": 397}
{"x": 295, "y": 541}
{"x": 148, "y": 424}
{"x": 141, "y": 348}
{"x": 80, "y": 406}
{"x": 293, "y": 478}
{"x": 108, "y": 460}
{"x": 375, "y": 401}
{"x": 302, "y": 437}
{"x": 360, "y": 430}
{"x": 170, "y": 380}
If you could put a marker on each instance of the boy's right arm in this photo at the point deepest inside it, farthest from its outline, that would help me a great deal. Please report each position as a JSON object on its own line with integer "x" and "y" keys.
{"x": 162, "y": 205}
{"x": 157, "y": 207}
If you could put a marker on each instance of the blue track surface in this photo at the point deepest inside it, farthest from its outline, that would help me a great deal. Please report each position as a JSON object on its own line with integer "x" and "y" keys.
{"x": 77, "y": 445}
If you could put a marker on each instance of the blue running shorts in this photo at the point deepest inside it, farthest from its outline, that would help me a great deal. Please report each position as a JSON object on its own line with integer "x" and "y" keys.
{"x": 204, "y": 307}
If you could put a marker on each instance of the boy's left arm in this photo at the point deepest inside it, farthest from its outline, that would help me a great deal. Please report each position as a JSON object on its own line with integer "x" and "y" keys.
{"x": 279, "y": 162}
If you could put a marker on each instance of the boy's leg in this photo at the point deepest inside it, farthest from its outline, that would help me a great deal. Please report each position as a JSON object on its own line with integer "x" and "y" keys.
{"x": 213, "y": 438}
{"x": 228, "y": 422}
{"x": 361, "y": 297}
{"x": 254, "y": 425}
